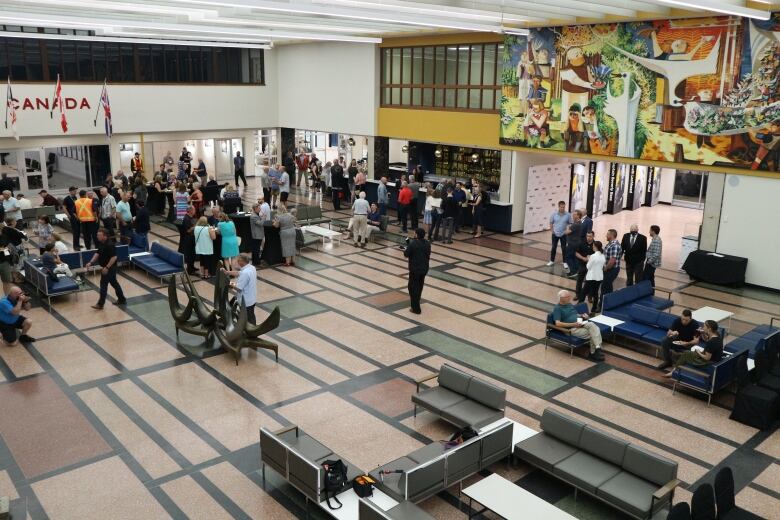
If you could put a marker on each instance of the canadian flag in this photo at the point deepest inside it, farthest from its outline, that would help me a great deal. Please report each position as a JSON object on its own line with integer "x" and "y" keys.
{"x": 58, "y": 102}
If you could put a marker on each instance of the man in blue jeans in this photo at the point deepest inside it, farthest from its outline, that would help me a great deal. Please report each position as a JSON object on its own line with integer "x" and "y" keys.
{"x": 559, "y": 221}
{"x": 612, "y": 252}
{"x": 106, "y": 258}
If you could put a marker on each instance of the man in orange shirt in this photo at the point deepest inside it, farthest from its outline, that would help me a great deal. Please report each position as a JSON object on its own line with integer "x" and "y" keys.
{"x": 404, "y": 203}
{"x": 85, "y": 212}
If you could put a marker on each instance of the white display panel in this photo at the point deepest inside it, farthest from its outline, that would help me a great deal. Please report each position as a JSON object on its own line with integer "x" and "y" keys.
{"x": 547, "y": 184}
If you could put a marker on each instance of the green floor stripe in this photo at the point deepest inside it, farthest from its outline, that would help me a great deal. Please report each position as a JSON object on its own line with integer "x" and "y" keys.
{"x": 295, "y": 307}
{"x": 488, "y": 362}
{"x": 158, "y": 314}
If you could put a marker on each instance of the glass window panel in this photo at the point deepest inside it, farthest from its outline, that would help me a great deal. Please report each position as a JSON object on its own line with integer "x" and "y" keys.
{"x": 427, "y": 76}
{"x": 112, "y": 62}
{"x": 476, "y": 65}
{"x": 386, "y": 66}
{"x": 158, "y": 63}
{"x": 417, "y": 65}
{"x": 3, "y": 60}
{"x": 427, "y": 97}
{"x": 69, "y": 67}
{"x": 449, "y": 98}
{"x": 257, "y": 64}
{"x": 474, "y": 98}
{"x": 396, "y": 96}
{"x": 16, "y": 59}
{"x": 32, "y": 57}
{"x": 235, "y": 61}
{"x": 206, "y": 58}
{"x": 440, "y": 63}
{"x": 84, "y": 52}
{"x": 489, "y": 70}
{"x": 487, "y": 99}
{"x": 497, "y": 105}
{"x": 406, "y": 66}
{"x": 406, "y": 96}
{"x": 128, "y": 62}
{"x": 386, "y": 96}
{"x": 417, "y": 97}
{"x": 197, "y": 65}
{"x": 53, "y": 58}
{"x": 463, "y": 98}
{"x": 171, "y": 64}
{"x": 220, "y": 74}
{"x": 463, "y": 65}
{"x": 184, "y": 64}
{"x": 396, "y": 67}
{"x": 145, "y": 68}
{"x": 99, "y": 60}
{"x": 452, "y": 66}
{"x": 438, "y": 100}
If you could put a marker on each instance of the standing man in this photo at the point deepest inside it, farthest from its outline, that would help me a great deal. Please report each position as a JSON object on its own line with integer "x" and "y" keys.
{"x": 414, "y": 209}
{"x": 142, "y": 224}
{"x": 573, "y": 241}
{"x": 336, "y": 182}
{"x": 69, "y": 203}
{"x": 360, "y": 209}
{"x": 124, "y": 217}
{"x": 265, "y": 183}
{"x": 587, "y": 222}
{"x": 462, "y": 198}
{"x": 238, "y": 168}
{"x": 582, "y": 254}
{"x": 381, "y": 196}
{"x": 419, "y": 254}
{"x": 11, "y": 207}
{"x": 247, "y": 284}
{"x": 108, "y": 211}
{"x": 289, "y": 164}
{"x": 654, "y": 253}
{"x": 87, "y": 219}
{"x": 202, "y": 174}
{"x": 404, "y": 203}
{"x": 302, "y": 163}
{"x": 136, "y": 165}
{"x": 284, "y": 185}
{"x": 634, "y": 246}
{"x": 258, "y": 231}
{"x": 274, "y": 176}
{"x": 187, "y": 239}
{"x": 106, "y": 257}
{"x": 612, "y": 254}
{"x": 558, "y": 222}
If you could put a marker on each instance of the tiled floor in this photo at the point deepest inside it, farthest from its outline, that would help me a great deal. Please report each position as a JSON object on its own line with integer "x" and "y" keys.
{"x": 107, "y": 416}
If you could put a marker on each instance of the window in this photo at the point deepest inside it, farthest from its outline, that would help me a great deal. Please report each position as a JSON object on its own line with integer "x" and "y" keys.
{"x": 449, "y": 77}
{"x": 33, "y": 59}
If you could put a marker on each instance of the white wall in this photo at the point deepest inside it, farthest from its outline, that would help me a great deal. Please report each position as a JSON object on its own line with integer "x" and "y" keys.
{"x": 749, "y": 207}
{"x": 328, "y": 87}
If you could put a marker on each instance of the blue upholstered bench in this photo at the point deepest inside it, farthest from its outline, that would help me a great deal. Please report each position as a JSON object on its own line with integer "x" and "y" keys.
{"x": 645, "y": 324}
{"x": 136, "y": 244}
{"x": 38, "y": 278}
{"x": 618, "y": 304}
{"x": 753, "y": 340}
{"x": 708, "y": 379}
{"x": 160, "y": 262}
{"x": 564, "y": 336}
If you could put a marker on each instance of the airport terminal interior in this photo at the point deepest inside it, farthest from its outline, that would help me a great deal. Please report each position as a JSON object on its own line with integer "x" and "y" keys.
{"x": 392, "y": 259}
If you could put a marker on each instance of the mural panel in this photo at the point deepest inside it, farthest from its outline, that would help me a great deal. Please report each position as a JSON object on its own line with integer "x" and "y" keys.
{"x": 699, "y": 90}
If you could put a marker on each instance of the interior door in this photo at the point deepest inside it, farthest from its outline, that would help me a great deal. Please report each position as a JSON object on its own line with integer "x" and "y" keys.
{"x": 35, "y": 177}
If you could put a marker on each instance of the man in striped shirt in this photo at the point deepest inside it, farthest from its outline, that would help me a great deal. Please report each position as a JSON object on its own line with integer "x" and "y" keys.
{"x": 612, "y": 252}
{"x": 654, "y": 252}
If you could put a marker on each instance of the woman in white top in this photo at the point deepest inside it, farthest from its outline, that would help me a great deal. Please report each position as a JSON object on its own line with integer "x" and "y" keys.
{"x": 427, "y": 214}
{"x": 595, "y": 274}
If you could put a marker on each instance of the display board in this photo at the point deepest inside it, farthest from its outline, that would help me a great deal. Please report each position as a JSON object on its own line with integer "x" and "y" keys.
{"x": 578, "y": 187}
{"x": 700, "y": 90}
{"x": 653, "y": 186}
{"x": 616, "y": 188}
{"x": 598, "y": 176}
{"x": 547, "y": 184}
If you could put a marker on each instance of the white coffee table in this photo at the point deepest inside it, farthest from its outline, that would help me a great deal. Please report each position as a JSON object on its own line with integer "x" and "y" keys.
{"x": 510, "y": 501}
{"x": 349, "y": 504}
{"x": 323, "y": 233}
{"x": 711, "y": 313}
{"x": 606, "y": 320}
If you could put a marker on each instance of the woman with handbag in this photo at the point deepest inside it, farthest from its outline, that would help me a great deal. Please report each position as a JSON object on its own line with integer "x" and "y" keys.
{"x": 285, "y": 221}
{"x": 204, "y": 246}
{"x": 227, "y": 230}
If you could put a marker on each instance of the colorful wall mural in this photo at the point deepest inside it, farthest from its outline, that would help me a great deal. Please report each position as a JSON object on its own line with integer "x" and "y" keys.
{"x": 699, "y": 90}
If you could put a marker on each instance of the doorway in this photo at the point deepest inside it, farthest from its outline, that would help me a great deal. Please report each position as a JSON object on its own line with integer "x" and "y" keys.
{"x": 690, "y": 189}
{"x": 25, "y": 168}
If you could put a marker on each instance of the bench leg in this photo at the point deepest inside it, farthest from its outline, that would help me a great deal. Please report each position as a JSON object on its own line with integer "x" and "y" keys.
{"x": 415, "y": 410}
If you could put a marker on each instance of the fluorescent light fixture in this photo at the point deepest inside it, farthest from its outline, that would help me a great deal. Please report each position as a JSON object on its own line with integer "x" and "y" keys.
{"x": 156, "y": 41}
{"x": 719, "y": 7}
{"x": 515, "y": 32}
{"x": 421, "y": 8}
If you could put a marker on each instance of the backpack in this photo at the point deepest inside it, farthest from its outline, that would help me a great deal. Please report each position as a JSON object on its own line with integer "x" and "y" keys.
{"x": 335, "y": 480}
{"x": 461, "y": 436}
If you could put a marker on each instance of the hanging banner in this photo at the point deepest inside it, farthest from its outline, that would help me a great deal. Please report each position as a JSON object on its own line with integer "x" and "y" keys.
{"x": 651, "y": 191}
{"x": 631, "y": 186}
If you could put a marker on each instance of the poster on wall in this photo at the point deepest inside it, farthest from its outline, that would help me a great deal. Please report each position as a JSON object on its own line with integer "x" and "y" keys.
{"x": 579, "y": 187}
{"x": 547, "y": 184}
{"x": 653, "y": 186}
{"x": 598, "y": 176}
{"x": 616, "y": 188}
{"x": 701, "y": 90}
{"x": 640, "y": 184}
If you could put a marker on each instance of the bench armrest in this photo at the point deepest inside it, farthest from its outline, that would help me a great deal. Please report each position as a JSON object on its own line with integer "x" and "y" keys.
{"x": 564, "y": 330}
{"x": 424, "y": 379}
{"x": 287, "y": 429}
{"x": 667, "y": 488}
{"x": 667, "y": 291}
{"x": 694, "y": 371}
{"x": 772, "y": 320}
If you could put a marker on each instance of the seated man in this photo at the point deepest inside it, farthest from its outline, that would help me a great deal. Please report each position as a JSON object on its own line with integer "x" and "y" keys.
{"x": 682, "y": 336}
{"x": 51, "y": 261}
{"x": 565, "y": 316}
{"x": 374, "y": 219}
{"x": 11, "y": 317}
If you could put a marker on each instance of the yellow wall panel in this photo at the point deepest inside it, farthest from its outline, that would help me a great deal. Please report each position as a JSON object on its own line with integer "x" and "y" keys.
{"x": 440, "y": 126}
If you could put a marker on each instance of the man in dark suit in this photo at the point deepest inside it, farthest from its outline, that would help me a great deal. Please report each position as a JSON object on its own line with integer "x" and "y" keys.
{"x": 419, "y": 254}
{"x": 634, "y": 246}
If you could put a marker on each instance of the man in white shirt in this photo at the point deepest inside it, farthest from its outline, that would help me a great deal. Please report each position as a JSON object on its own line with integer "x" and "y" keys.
{"x": 24, "y": 203}
{"x": 360, "y": 209}
{"x": 246, "y": 282}
{"x": 284, "y": 185}
{"x": 11, "y": 206}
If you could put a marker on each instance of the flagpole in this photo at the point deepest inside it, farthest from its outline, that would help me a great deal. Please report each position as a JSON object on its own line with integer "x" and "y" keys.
{"x": 54, "y": 99}
{"x": 7, "y": 101}
{"x": 100, "y": 102}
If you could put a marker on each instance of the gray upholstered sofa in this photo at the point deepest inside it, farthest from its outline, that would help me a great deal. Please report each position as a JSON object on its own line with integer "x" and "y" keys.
{"x": 367, "y": 510}
{"x": 461, "y": 398}
{"x": 623, "y": 475}
{"x": 298, "y": 458}
{"x": 435, "y": 467}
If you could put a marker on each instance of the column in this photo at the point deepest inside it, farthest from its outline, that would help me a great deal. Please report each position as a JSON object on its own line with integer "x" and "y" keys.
{"x": 380, "y": 157}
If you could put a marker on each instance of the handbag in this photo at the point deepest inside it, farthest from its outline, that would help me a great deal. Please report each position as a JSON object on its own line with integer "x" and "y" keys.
{"x": 335, "y": 480}
{"x": 363, "y": 486}
{"x": 461, "y": 436}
